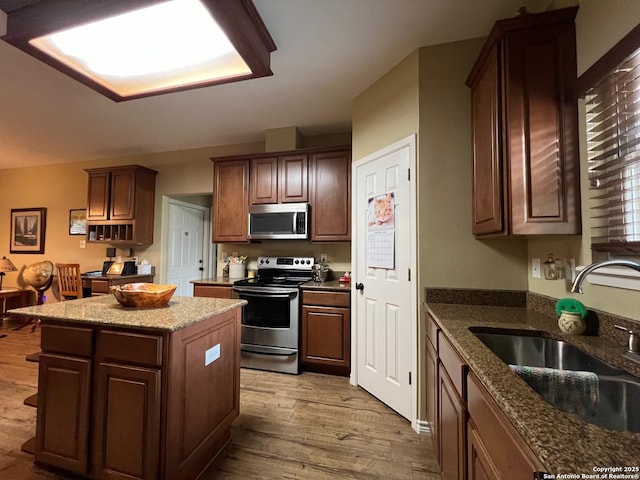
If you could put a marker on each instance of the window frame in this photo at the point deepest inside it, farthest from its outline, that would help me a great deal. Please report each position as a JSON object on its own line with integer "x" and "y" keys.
{"x": 592, "y": 77}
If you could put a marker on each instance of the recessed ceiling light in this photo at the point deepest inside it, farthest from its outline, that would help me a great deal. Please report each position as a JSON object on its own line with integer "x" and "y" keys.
{"x": 153, "y": 49}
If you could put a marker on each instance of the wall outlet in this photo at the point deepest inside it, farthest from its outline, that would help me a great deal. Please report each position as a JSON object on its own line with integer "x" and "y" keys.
{"x": 535, "y": 268}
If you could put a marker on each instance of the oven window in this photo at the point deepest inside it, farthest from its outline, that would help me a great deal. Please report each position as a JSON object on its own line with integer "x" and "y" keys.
{"x": 272, "y": 223}
{"x": 266, "y": 311}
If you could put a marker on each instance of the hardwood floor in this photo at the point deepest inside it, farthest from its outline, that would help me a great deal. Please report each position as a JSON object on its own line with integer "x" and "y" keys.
{"x": 307, "y": 426}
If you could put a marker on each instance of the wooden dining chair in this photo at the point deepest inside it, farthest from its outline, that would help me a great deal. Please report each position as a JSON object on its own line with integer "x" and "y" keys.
{"x": 69, "y": 281}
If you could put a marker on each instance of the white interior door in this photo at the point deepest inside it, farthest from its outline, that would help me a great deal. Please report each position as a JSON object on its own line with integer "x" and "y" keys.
{"x": 384, "y": 263}
{"x": 186, "y": 253}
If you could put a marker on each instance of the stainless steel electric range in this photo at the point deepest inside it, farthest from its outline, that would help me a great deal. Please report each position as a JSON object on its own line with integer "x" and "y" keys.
{"x": 271, "y": 318}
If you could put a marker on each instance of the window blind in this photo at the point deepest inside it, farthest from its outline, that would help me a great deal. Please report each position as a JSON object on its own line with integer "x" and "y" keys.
{"x": 613, "y": 145}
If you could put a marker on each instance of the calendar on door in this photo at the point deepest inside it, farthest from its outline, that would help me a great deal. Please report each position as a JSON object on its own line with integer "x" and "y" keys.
{"x": 381, "y": 231}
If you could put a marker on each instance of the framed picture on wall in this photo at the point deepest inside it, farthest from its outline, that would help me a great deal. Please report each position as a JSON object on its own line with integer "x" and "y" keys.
{"x": 78, "y": 221}
{"x": 27, "y": 230}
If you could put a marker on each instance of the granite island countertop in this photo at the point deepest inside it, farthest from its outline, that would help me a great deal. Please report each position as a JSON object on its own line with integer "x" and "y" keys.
{"x": 563, "y": 442}
{"x": 106, "y": 311}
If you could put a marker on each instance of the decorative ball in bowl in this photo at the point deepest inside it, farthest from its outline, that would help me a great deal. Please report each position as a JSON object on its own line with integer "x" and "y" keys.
{"x": 143, "y": 295}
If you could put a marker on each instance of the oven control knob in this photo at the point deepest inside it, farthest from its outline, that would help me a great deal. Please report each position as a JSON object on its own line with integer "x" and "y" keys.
{"x": 308, "y": 262}
{"x": 297, "y": 262}
{"x": 266, "y": 261}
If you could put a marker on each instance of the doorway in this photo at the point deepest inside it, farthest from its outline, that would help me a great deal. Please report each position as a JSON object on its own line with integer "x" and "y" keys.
{"x": 189, "y": 250}
{"x": 384, "y": 302}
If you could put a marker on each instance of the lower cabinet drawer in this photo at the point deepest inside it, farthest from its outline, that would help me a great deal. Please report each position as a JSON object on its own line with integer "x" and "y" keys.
{"x": 67, "y": 340}
{"x": 213, "y": 291}
{"x": 130, "y": 348}
{"x": 99, "y": 286}
{"x": 453, "y": 364}
{"x": 432, "y": 332}
{"x": 326, "y": 299}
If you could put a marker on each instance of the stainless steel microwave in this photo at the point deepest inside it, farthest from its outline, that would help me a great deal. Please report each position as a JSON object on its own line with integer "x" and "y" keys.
{"x": 282, "y": 221}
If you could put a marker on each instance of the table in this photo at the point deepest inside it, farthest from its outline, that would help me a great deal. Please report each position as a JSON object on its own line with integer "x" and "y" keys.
{"x": 14, "y": 298}
{"x": 100, "y": 284}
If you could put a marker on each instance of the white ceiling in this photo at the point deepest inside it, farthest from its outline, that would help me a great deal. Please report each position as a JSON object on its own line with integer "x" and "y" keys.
{"x": 329, "y": 51}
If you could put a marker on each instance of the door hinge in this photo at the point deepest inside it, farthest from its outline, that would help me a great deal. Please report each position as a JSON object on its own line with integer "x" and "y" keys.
{"x": 408, "y": 174}
{"x": 408, "y": 274}
{"x": 409, "y": 378}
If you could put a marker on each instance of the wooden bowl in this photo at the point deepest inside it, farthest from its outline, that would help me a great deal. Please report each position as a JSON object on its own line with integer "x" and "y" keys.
{"x": 143, "y": 295}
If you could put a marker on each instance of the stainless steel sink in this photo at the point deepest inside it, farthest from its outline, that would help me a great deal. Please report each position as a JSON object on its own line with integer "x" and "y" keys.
{"x": 537, "y": 351}
{"x": 616, "y": 404}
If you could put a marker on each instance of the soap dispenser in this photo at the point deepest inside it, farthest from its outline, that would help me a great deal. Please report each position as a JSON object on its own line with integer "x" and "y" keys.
{"x": 550, "y": 270}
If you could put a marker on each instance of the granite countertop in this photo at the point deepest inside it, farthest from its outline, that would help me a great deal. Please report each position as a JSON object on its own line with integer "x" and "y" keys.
{"x": 100, "y": 276}
{"x": 563, "y": 442}
{"x": 330, "y": 285}
{"x": 216, "y": 281}
{"x": 106, "y": 311}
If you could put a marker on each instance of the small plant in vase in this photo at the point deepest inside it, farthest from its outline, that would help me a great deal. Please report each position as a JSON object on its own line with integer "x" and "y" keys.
{"x": 235, "y": 266}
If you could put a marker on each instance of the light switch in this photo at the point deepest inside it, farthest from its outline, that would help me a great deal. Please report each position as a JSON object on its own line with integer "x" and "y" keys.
{"x": 535, "y": 268}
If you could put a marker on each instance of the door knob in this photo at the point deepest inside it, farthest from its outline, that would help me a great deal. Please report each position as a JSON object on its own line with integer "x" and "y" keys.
{"x": 359, "y": 286}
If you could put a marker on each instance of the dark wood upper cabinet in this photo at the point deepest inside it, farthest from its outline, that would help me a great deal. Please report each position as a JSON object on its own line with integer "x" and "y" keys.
{"x": 524, "y": 120}
{"x": 120, "y": 205}
{"x": 98, "y": 201}
{"x": 331, "y": 196}
{"x": 281, "y": 179}
{"x": 293, "y": 175}
{"x": 264, "y": 180}
{"x": 318, "y": 176}
{"x": 230, "y": 207}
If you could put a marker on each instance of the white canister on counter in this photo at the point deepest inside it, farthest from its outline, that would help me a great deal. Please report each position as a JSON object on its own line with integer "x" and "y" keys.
{"x": 236, "y": 270}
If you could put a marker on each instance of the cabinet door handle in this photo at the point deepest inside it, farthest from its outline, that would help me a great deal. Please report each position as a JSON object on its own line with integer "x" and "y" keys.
{"x": 359, "y": 286}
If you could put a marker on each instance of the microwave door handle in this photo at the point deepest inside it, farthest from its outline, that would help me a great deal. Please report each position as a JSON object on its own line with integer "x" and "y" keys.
{"x": 294, "y": 229}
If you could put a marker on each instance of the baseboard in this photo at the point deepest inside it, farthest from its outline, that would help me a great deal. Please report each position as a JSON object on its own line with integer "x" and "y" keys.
{"x": 423, "y": 427}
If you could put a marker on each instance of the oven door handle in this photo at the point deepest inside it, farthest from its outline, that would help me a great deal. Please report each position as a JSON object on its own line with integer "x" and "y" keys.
{"x": 281, "y": 352}
{"x": 266, "y": 292}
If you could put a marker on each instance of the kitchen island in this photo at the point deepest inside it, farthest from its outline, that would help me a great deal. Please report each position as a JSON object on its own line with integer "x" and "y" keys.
{"x": 136, "y": 393}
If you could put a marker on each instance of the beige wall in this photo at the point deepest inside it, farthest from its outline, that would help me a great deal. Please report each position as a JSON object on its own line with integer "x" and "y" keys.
{"x": 426, "y": 94}
{"x": 599, "y": 26}
{"x": 388, "y": 110}
{"x": 60, "y": 188}
{"x": 449, "y": 254}
{"x": 185, "y": 175}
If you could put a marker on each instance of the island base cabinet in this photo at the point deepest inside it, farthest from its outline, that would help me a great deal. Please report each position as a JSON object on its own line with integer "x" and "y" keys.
{"x": 127, "y": 440}
{"x": 126, "y": 403}
{"x": 203, "y": 397}
{"x": 62, "y": 428}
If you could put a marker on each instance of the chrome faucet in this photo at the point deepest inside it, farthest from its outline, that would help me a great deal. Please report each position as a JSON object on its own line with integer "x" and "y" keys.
{"x": 633, "y": 347}
{"x": 577, "y": 283}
